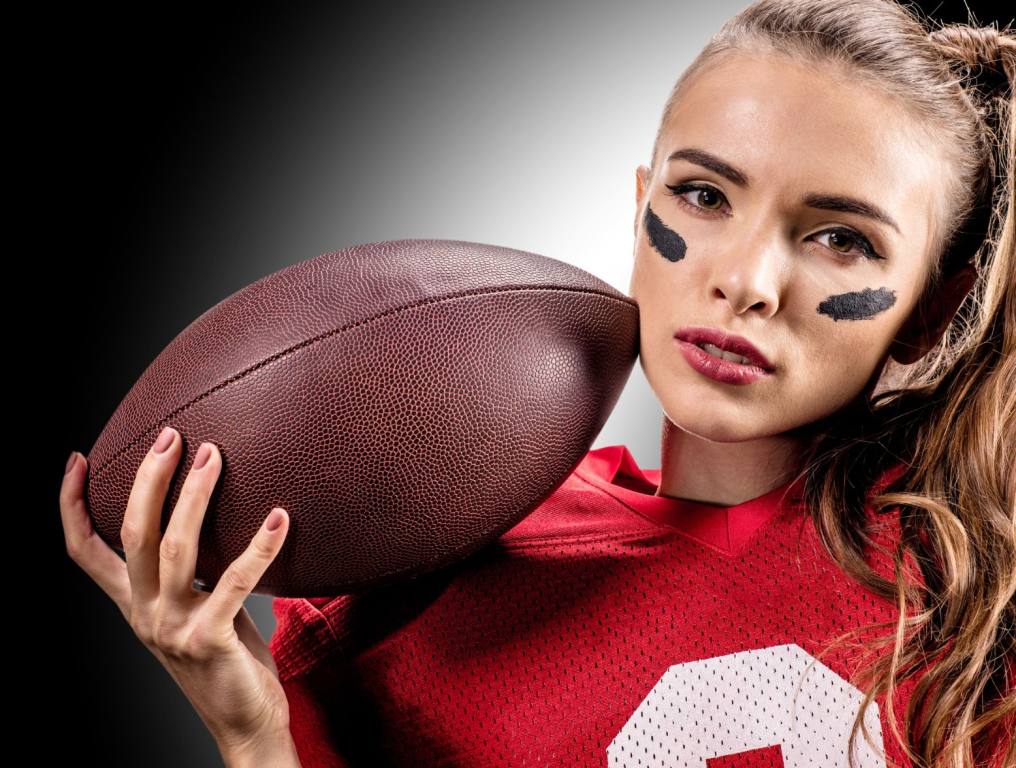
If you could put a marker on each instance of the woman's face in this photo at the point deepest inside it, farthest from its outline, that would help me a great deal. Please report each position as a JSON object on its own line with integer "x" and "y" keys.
{"x": 821, "y": 293}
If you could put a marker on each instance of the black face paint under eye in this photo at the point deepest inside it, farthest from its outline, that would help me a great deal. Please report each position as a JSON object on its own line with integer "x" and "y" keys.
{"x": 858, "y": 305}
{"x": 666, "y": 241}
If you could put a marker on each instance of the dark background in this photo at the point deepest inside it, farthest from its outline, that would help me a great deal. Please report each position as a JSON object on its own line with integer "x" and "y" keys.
{"x": 137, "y": 147}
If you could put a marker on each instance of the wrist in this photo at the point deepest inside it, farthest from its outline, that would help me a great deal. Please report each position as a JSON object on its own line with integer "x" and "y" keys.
{"x": 275, "y": 750}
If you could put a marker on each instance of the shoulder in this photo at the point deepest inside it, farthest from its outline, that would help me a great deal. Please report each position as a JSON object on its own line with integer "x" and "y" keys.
{"x": 577, "y": 509}
{"x": 311, "y": 629}
{"x": 885, "y": 528}
{"x": 333, "y": 630}
{"x": 884, "y": 519}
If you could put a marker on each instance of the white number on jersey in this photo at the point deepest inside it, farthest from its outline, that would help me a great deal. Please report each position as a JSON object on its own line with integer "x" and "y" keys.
{"x": 777, "y": 706}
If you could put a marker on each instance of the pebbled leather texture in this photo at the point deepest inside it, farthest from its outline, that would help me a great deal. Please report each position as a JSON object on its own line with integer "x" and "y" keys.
{"x": 406, "y": 402}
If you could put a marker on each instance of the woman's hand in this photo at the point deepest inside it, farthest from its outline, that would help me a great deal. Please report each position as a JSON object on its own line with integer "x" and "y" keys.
{"x": 207, "y": 641}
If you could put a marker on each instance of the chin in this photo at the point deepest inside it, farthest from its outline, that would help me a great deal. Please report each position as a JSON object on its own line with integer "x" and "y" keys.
{"x": 706, "y": 425}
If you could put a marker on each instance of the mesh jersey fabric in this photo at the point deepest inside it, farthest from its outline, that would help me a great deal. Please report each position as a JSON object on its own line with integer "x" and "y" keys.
{"x": 610, "y": 627}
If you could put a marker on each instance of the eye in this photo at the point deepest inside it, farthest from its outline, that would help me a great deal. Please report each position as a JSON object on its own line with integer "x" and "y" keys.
{"x": 680, "y": 190}
{"x": 862, "y": 246}
{"x": 859, "y": 241}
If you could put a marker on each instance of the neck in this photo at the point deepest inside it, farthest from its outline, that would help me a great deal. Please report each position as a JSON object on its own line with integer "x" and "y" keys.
{"x": 725, "y": 474}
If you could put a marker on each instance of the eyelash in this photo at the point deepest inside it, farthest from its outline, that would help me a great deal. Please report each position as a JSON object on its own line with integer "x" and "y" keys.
{"x": 862, "y": 243}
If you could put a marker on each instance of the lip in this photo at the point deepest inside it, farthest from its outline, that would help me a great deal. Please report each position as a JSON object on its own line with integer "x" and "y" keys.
{"x": 718, "y": 369}
{"x": 730, "y": 342}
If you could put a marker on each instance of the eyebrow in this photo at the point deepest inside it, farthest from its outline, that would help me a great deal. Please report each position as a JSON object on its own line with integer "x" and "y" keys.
{"x": 826, "y": 202}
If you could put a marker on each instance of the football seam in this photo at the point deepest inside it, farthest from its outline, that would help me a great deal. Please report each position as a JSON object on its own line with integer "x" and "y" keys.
{"x": 307, "y": 342}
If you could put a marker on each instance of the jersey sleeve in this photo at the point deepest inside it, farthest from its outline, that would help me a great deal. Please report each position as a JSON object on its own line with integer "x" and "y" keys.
{"x": 301, "y": 643}
{"x": 309, "y": 722}
{"x": 315, "y": 644}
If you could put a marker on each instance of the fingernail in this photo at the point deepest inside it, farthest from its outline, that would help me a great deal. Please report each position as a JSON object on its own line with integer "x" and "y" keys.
{"x": 274, "y": 520}
{"x": 165, "y": 440}
{"x": 202, "y": 458}
{"x": 70, "y": 462}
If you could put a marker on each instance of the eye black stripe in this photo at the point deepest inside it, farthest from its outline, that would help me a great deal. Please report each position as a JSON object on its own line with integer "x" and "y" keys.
{"x": 666, "y": 241}
{"x": 858, "y": 305}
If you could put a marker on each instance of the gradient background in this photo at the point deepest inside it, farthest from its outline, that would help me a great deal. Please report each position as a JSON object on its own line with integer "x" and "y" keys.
{"x": 178, "y": 156}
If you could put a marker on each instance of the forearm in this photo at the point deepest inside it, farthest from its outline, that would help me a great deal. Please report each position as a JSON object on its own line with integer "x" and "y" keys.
{"x": 276, "y": 751}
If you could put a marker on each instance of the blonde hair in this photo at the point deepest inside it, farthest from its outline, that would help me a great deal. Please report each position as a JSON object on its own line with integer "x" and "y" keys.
{"x": 950, "y": 416}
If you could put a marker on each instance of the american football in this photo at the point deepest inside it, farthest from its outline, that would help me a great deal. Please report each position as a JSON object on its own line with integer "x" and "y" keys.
{"x": 406, "y": 402}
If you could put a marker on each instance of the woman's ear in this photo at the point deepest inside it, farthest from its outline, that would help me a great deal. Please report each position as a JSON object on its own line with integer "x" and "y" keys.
{"x": 641, "y": 182}
{"x": 928, "y": 321}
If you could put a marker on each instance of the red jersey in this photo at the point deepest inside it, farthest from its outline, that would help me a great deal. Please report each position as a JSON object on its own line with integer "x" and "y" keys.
{"x": 610, "y": 627}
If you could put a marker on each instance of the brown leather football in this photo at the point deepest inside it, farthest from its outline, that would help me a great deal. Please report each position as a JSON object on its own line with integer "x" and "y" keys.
{"x": 406, "y": 402}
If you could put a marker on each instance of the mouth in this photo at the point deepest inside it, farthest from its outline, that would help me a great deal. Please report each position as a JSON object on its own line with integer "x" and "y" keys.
{"x": 725, "y": 345}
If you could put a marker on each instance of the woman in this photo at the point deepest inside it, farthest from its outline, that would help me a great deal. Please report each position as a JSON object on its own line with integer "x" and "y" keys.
{"x": 830, "y": 183}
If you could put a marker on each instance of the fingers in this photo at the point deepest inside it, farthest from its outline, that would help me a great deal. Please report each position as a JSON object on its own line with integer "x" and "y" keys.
{"x": 141, "y": 531}
{"x": 162, "y": 565}
{"x": 84, "y": 545}
{"x": 246, "y": 571}
{"x": 178, "y": 552}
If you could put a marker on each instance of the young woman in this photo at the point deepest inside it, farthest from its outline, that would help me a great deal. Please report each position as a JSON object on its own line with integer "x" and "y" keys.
{"x": 817, "y": 575}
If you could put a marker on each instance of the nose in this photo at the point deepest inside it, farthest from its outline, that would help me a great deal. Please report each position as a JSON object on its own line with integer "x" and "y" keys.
{"x": 746, "y": 276}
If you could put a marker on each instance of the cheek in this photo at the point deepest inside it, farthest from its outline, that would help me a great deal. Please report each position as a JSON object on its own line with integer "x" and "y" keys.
{"x": 836, "y": 337}
{"x": 849, "y": 331}
{"x": 660, "y": 266}
{"x": 846, "y": 338}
